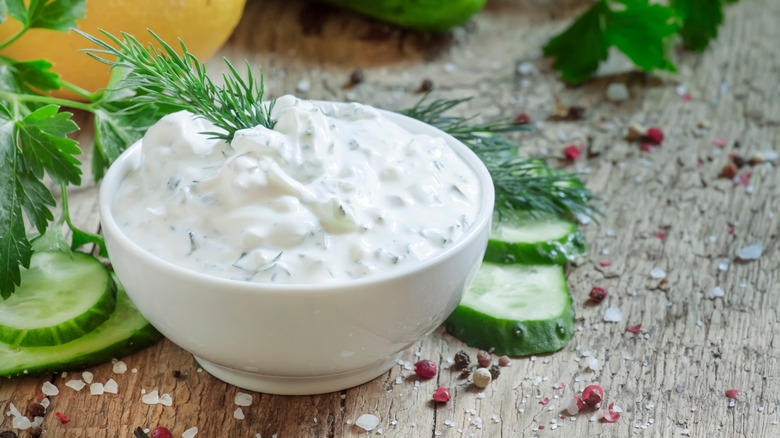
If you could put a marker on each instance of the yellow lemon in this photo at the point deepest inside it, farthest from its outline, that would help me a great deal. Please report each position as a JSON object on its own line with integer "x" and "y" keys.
{"x": 203, "y": 25}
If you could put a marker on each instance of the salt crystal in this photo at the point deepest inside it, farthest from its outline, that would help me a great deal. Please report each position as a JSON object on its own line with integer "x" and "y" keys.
{"x": 682, "y": 90}
{"x": 96, "y": 388}
{"x": 685, "y": 431}
{"x": 120, "y": 367}
{"x": 166, "y": 400}
{"x": 717, "y": 292}
{"x": 770, "y": 155}
{"x": 243, "y": 399}
{"x": 21, "y": 423}
{"x": 724, "y": 264}
{"x": 189, "y": 433}
{"x": 76, "y": 385}
{"x": 657, "y": 273}
{"x": 572, "y": 407}
{"x": 526, "y": 68}
{"x": 45, "y": 403}
{"x": 449, "y": 68}
{"x": 751, "y": 252}
{"x": 49, "y": 389}
{"x": 111, "y": 386}
{"x": 87, "y": 376}
{"x": 151, "y": 399}
{"x": 367, "y": 421}
{"x": 37, "y": 422}
{"x": 610, "y": 232}
{"x": 616, "y": 408}
{"x": 593, "y": 364}
{"x": 304, "y": 86}
{"x": 613, "y": 314}
{"x": 617, "y": 92}
{"x": 238, "y": 414}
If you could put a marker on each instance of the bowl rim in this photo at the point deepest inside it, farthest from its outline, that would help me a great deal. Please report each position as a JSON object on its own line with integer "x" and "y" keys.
{"x": 125, "y": 162}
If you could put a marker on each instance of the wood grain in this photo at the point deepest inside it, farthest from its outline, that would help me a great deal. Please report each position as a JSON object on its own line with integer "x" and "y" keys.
{"x": 670, "y": 379}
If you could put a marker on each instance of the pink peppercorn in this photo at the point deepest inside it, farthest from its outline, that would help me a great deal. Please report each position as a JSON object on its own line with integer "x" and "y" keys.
{"x": 572, "y": 152}
{"x": 655, "y": 135}
{"x": 425, "y": 369}
{"x": 522, "y": 119}
{"x": 441, "y": 394}
{"x": 597, "y": 294}
{"x": 733, "y": 393}
{"x": 161, "y": 432}
{"x": 592, "y": 395}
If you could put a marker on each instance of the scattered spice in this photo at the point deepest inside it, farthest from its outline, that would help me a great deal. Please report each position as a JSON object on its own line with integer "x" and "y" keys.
{"x": 655, "y": 135}
{"x": 564, "y": 113}
{"x": 356, "y": 77}
{"x": 425, "y": 86}
{"x": 462, "y": 359}
{"x": 176, "y": 374}
{"x": 482, "y": 377}
{"x": 605, "y": 263}
{"x": 661, "y": 235}
{"x": 36, "y": 409}
{"x": 483, "y": 358}
{"x": 729, "y": 170}
{"x": 592, "y": 395}
{"x": 62, "y": 417}
{"x": 494, "y": 371}
{"x": 425, "y": 369}
{"x": 541, "y": 427}
{"x": 719, "y": 142}
{"x": 610, "y": 415}
{"x": 505, "y": 361}
{"x": 733, "y": 393}
{"x": 743, "y": 178}
{"x": 634, "y": 328}
{"x": 647, "y": 147}
{"x": 161, "y": 432}
{"x": 544, "y": 401}
{"x": 572, "y": 151}
{"x": 685, "y": 98}
{"x": 441, "y": 394}
{"x": 8, "y": 434}
{"x": 522, "y": 119}
{"x": 465, "y": 373}
{"x": 597, "y": 294}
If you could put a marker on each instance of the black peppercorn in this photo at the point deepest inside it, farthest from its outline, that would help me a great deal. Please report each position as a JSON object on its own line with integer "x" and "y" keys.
{"x": 462, "y": 360}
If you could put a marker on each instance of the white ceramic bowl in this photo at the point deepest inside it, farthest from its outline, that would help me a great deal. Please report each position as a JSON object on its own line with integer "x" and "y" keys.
{"x": 297, "y": 339}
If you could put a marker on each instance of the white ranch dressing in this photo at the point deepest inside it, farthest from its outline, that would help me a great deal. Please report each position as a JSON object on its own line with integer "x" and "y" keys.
{"x": 333, "y": 192}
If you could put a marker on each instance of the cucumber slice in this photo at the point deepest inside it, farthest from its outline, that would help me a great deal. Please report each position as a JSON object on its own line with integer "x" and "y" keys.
{"x": 534, "y": 241}
{"x": 124, "y": 333}
{"x": 517, "y": 310}
{"x": 62, "y": 297}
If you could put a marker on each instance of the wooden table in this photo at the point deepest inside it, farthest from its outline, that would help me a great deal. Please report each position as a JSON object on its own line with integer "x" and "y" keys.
{"x": 671, "y": 378}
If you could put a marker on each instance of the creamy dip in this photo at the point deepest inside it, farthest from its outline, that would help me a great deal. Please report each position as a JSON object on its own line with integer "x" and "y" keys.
{"x": 333, "y": 192}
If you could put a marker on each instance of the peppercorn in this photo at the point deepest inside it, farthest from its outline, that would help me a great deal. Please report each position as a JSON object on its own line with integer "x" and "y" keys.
{"x": 483, "y": 358}
{"x": 482, "y": 377}
{"x": 465, "y": 373}
{"x": 357, "y": 76}
{"x": 462, "y": 360}
{"x": 504, "y": 361}
{"x": 425, "y": 369}
{"x": 425, "y": 86}
{"x": 36, "y": 409}
{"x": 8, "y": 434}
{"x": 494, "y": 371}
{"x": 441, "y": 394}
{"x": 161, "y": 432}
{"x": 176, "y": 374}
{"x": 576, "y": 112}
{"x": 597, "y": 294}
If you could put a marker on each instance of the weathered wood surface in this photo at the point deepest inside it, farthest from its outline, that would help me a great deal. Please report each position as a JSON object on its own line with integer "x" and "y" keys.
{"x": 670, "y": 379}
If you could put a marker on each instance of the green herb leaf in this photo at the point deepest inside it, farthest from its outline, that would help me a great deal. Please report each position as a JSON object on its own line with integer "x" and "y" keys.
{"x": 15, "y": 249}
{"x": 522, "y": 185}
{"x": 44, "y": 143}
{"x": 58, "y": 15}
{"x": 36, "y": 200}
{"x": 16, "y": 10}
{"x": 580, "y": 48}
{"x": 36, "y": 74}
{"x": 3, "y": 10}
{"x": 163, "y": 76}
{"x": 643, "y": 33}
{"x": 701, "y": 19}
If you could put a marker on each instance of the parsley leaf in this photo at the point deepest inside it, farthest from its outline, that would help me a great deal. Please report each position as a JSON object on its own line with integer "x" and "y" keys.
{"x": 36, "y": 74}
{"x": 58, "y": 15}
{"x": 642, "y": 32}
{"x": 701, "y": 19}
{"x": 42, "y": 137}
{"x": 15, "y": 249}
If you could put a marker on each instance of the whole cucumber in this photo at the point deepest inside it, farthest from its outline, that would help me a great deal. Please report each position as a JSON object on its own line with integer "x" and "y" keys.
{"x": 428, "y": 15}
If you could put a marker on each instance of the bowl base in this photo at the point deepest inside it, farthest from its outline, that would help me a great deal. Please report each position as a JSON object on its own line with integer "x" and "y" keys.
{"x": 289, "y": 385}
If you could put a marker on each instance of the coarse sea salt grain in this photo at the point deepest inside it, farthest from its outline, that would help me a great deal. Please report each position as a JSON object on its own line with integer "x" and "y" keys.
{"x": 593, "y": 364}
{"x": 76, "y": 385}
{"x": 657, "y": 273}
{"x": 45, "y": 403}
{"x": 151, "y": 399}
{"x": 717, "y": 292}
{"x": 724, "y": 264}
{"x": 189, "y": 433}
{"x": 238, "y": 414}
{"x": 613, "y": 314}
{"x": 96, "y": 388}
{"x": 243, "y": 399}
{"x": 751, "y": 252}
{"x": 367, "y": 421}
{"x": 120, "y": 367}
{"x": 87, "y": 376}
{"x": 166, "y": 400}
{"x": 111, "y": 387}
{"x": 49, "y": 389}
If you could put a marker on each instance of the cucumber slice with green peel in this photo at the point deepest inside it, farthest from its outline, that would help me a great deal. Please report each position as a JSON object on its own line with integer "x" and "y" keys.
{"x": 534, "y": 241}
{"x": 124, "y": 333}
{"x": 516, "y": 310}
{"x": 62, "y": 296}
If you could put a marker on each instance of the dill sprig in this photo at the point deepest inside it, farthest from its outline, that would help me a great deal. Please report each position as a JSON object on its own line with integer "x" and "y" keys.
{"x": 162, "y": 75}
{"x": 523, "y": 185}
